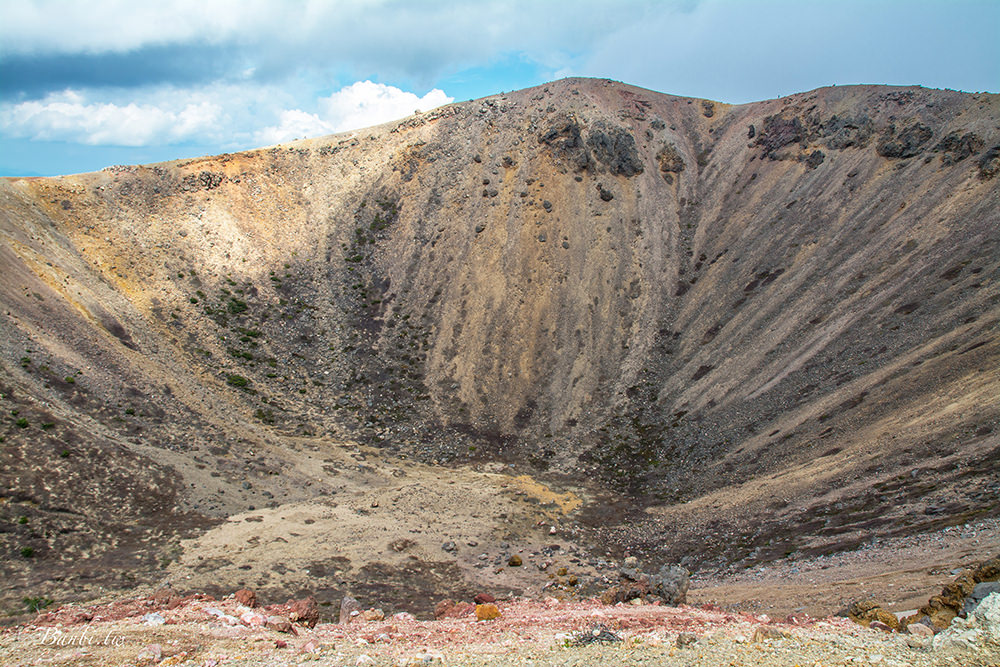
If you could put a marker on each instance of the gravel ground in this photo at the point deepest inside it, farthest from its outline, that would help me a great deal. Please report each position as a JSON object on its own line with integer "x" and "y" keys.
{"x": 529, "y": 633}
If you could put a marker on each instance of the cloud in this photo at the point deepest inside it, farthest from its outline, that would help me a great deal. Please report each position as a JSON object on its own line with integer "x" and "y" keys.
{"x": 68, "y": 117}
{"x": 365, "y": 103}
{"x": 294, "y": 124}
{"x": 406, "y": 42}
{"x": 361, "y": 104}
{"x": 229, "y": 115}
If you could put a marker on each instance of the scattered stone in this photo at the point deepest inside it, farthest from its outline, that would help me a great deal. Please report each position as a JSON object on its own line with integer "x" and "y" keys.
{"x": 487, "y": 612}
{"x": 304, "y": 612}
{"x": 165, "y": 597}
{"x": 253, "y": 618}
{"x": 401, "y": 544}
{"x": 599, "y": 634}
{"x": 363, "y": 660}
{"x": 222, "y": 616}
{"x": 979, "y": 593}
{"x": 778, "y": 132}
{"x": 484, "y": 598}
{"x": 989, "y": 164}
{"x": 246, "y": 597}
{"x": 768, "y": 632}
{"x": 154, "y": 618}
{"x": 280, "y": 624}
{"x": 373, "y": 615}
{"x": 879, "y": 625}
{"x": 453, "y": 609}
{"x": 863, "y": 612}
{"x": 421, "y": 659}
{"x": 280, "y": 643}
{"x": 606, "y": 195}
{"x": 348, "y": 606}
{"x": 514, "y": 561}
{"x": 686, "y": 639}
{"x": 671, "y": 162}
{"x": 814, "y": 159}
{"x": 450, "y": 547}
{"x": 671, "y": 584}
{"x": 153, "y": 653}
{"x": 920, "y": 630}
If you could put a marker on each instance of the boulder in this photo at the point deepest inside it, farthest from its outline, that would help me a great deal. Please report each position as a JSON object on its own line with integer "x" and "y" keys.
{"x": 979, "y": 593}
{"x": 373, "y": 615}
{"x": 453, "y": 609}
{"x": 349, "y": 607}
{"x": 864, "y": 612}
{"x": 487, "y": 612}
{"x": 670, "y": 584}
{"x": 304, "y": 612}
{"x": 246, "y": 597}
{"x": 280, "y": 624}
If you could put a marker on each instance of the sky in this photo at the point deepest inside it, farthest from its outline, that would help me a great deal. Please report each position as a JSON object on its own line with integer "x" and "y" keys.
{"x": 84, "y": 85}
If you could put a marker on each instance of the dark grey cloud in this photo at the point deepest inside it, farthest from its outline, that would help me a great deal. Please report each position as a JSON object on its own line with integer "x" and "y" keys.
{"x": 27, "y": 77}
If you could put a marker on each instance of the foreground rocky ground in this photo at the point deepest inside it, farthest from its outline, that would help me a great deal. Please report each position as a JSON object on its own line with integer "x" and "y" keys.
{"x": 165, "y": 627}
{"x": 546, "y": 632}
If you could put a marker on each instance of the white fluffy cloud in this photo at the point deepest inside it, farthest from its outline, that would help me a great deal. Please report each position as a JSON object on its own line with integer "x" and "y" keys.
{"x": 358, "y": 105}
{"x": 230, "y": 116}
{"x": 294, "y": 124}
{"x": 68, "y": 116}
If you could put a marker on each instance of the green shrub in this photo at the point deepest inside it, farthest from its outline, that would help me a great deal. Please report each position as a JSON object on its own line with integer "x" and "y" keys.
{"x": 27, "y": 552}
{"x": 36, "y": 604}
{"x": 237, "y": 381}
{"x": 22, "y": 423}
{"x": 69, "y": 379}
{"x": 22, "y": 520}
{"x": 48, "y": 425}
{"x": 130, "y": 411}
{"x": 64, "y": 454}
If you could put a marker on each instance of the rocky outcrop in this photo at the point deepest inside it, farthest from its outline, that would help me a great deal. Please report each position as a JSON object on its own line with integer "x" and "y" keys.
{"x": 615, "y": 148}
{"x": 668, "y": 585}
{"x": 908, "y": 142}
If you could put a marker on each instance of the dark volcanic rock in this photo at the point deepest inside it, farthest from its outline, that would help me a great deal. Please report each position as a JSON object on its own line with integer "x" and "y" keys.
{"x": 565, "y": 140}
{"x": 956, "y": 146}
{"x": 989, "y": 164}
{"x": 778, "y": 132}
{"x": 907, "y": 143}
{"x": 846, "y": 131}
{"x": 615, "y": 148}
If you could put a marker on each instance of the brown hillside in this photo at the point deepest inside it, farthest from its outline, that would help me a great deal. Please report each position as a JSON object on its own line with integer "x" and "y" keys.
{"x": 697, "y": 332}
